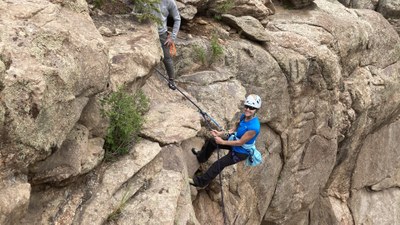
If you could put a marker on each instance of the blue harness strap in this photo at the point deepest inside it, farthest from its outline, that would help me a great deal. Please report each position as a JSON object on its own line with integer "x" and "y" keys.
{"x": 255, "y": 157}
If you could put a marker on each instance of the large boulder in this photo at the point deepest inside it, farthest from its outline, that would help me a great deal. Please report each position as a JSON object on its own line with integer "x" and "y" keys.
{"x": 14, "y": 201}
{"x": 50, "y": 66}
{"x": 251, "y": 27}
{"x": 390, "y": 9}
{"x": 77, "y": 155}
{"x": 375, "y": 177}
{"x": 134, "y": 48}
{"x": 169, "y": 120}
{"x": 256, "y": 8}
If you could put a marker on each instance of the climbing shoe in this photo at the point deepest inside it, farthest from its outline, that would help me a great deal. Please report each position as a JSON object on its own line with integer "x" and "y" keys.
{"x": 171, "y": 84}
{"x": 191, "y": 182}
{"x": 198, "y": 172}
{"x": 196, "y": 153}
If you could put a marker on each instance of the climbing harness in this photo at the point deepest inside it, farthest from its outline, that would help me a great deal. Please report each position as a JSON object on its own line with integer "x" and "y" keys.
{"x": 255, "y": 157}
{"x": 207, "y": 118}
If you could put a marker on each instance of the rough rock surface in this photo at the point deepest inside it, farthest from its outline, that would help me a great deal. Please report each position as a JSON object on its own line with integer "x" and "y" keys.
{"x": 49, "y": 67}
{"x": 328, "y": 76}
{"x": 390, "y": 9}
{"x": 77, "y": 155}
{"x": 52, "y": 66}
{"x": 376, "y": 176}
{"x": 256, "y": 8}
{"x": 250, "y": 26}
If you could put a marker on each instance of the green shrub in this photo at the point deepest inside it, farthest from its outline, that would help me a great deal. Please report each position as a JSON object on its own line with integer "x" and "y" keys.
{"x": 98, "y": 3}
{"x": 200, "y": 54}
{"x": 225, "y": 6}
{"x": 125, "y": 114}
{"x": 216, "y": 49}
{"x": 208, "y": 57}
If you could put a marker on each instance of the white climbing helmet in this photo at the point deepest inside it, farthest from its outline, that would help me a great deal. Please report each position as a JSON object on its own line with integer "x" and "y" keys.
{"x": 253, "y": 101}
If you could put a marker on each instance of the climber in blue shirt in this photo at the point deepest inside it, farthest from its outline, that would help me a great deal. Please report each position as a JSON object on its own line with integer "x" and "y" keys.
{"x": 246, "y": 130}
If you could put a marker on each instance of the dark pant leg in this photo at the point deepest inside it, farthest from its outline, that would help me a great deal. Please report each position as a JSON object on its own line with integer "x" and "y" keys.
{"x": 218, "y": 166}
{"x": 208, "y": 148}
{"x": 168, "y": 63}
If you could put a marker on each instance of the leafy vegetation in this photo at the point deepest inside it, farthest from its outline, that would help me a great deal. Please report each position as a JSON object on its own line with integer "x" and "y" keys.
{"x": 118, "y": 210}
{"x": 98, "y": 3}
{"x": 223, "y": 7}
{"x": 145, "y": 9}
{"x": 208, "y": 57}
{"x": 200, "y": 54}
{"x": 125, "y": 114}
{"x": 226, "y": 6}
{"x": 216, "y": 49}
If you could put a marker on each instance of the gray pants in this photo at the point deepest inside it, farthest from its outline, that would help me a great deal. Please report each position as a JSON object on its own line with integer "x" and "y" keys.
{"x": 168, "y": 63}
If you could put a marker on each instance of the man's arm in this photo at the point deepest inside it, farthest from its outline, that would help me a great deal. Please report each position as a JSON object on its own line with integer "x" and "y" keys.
{"x": 173, "y": 11}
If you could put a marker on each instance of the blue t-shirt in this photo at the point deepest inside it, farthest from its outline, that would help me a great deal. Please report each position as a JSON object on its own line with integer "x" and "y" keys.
{"x": 253, "y": 124}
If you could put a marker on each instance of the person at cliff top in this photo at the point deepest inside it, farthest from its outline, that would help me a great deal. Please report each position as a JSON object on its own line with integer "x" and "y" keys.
{"x": 246, "y": 130}
{"x": 168, "y": 8}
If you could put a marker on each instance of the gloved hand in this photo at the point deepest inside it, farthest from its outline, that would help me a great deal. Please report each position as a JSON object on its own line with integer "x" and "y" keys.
{"x": 169, "y": 41}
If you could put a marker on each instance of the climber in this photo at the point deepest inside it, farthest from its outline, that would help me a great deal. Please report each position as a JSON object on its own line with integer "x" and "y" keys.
{"x": 247, "y": 130}
{"x": 168, "y": 8}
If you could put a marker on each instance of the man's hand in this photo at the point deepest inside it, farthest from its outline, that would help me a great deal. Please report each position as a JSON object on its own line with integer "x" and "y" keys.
{"x": 216, "y": 133}
{"x": 169, "y": 41}
{"x": 219, "y": 140}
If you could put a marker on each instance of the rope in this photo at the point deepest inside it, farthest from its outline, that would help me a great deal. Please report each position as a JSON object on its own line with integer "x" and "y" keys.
{"x": 205, "y": 116}
{"x": 220, "y": 180}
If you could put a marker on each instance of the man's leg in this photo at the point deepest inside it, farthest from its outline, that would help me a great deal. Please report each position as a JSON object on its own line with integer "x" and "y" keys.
{"x": 168, "y": 63}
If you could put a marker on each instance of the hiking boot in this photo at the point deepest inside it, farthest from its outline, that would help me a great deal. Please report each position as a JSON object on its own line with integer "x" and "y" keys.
{"x": 171, "y": 85}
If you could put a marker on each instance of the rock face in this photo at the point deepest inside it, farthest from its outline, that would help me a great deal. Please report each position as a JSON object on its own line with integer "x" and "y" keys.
{"x": 298, "y": 4}
{"x": 49, "y": 67}
{"x": 257, "y": 8}
{"x": 390, "y": 9}
{"x": 52, "y": 66}
{"x": 250, "y": 26}
{"x": 328, "y": 76}
{"x": 376, "y": 176}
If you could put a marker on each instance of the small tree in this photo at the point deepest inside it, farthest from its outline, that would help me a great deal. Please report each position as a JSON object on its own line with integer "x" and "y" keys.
{"x": 216, "y": 49}
{"x": 125, "y": 114}
{"x": 200, "y": 54}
